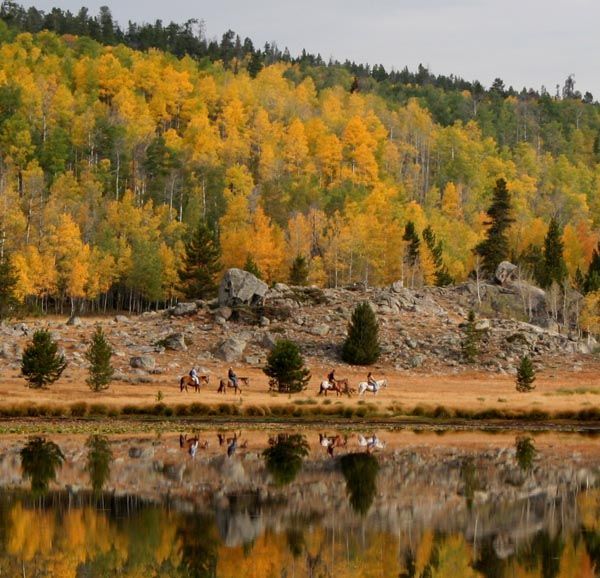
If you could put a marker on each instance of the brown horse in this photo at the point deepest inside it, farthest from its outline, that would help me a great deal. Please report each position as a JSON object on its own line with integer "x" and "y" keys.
{"x": 332, "y": 442}
{"x": 187, "y": 381}
{"x": 344, "y": 387}
{"x": 328, "y": 386}
{"x": 224, "y": 384}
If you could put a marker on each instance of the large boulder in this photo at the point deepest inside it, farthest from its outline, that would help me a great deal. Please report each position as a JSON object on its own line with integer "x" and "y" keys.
{"x": 145, "y": 362}
{"x": 231, "y": 349}
{"x": 506, "y": 273}
{"x": 239, "y": 287}
{"x": 174, "y": 342}
{"x": 184, "y": 308}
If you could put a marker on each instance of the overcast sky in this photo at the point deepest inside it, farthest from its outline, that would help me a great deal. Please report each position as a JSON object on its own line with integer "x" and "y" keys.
{"x": 525, "y": 42}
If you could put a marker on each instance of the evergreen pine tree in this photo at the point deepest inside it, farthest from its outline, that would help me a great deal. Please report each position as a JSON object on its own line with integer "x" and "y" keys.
{"x": 592, "y": 279}
{"x": 470, "y": 342}
{"x": 41, "y": 363}
{"x": 8, "y": 283}
{"x": 299, "y": 271}
{"x": 98, "y": 355}
{"x": 201, "y": 263}
{"x": 525, "y": 375}
{"x": 39, "y": 461}
{"x": 251, "y": 266}
{"x": 362, "y": 344}
{"x": 413, "y": 243}
{"x": 286, "y": 365}
{"x": 494, "y": 248}
{"x": 554, "y": 269}
{"x": 99, "y": 459}
{"x": 442, "y": 277}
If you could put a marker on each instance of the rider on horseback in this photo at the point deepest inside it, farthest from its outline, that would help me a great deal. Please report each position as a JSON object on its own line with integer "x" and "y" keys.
{"x": 371, "y": 380}
{"x": 232, "y": 377}
{"x": 331, "y": 377}
{"x": 194, "y": 376}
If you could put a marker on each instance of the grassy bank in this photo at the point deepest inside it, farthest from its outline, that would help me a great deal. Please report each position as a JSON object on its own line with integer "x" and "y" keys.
{"x": 301, "y": 409}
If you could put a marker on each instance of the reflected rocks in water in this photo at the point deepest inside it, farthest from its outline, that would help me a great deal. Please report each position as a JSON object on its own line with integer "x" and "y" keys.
{"x": 525, "y": 453}
{"x": 98, "y": 461}
{"x": 470, "y": 480}
{"x": 39, "y": 461}
{"x": 284, "y": 457}
{"x": 360, "y": 472}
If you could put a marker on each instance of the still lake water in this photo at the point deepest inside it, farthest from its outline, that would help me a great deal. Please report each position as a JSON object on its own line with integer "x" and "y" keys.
{"x": 267, "y": 503}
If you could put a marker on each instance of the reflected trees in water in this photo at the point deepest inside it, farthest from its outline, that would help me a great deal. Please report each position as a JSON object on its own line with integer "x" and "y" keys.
{"x": 99, "y": 458}
{"x": 360, "y": 472}
{"x": 39, "y": 461}
{"x": 525, "y": 452}
{"x": 470, "y": 480}
{"x": 284, "y": 457}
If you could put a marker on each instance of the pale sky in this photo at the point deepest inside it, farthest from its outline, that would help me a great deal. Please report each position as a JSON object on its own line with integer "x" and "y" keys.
{"x": 525, "y": 42}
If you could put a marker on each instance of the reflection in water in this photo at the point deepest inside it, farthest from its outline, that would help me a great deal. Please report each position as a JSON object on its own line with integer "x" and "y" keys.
{"x": 360, "y": 472}
{"x": 525, "y": 452}
{"x": 98, "y": 461}
{"x": 284, "y": 457}
{"x": 39, "y": 461}
{"x": 222, "y": 517}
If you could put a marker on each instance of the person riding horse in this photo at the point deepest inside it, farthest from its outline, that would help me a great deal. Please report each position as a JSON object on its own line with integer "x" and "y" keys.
{"x": 232, "y": 377}
{"x": 331, "y": 377}
{"x": 371, "y": 380}
{"x": 194, "y": 376}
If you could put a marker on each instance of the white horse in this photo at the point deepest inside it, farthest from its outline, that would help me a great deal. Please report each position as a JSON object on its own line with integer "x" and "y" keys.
{"x": 371, "y": 443}
{"x": 364, "y": 386}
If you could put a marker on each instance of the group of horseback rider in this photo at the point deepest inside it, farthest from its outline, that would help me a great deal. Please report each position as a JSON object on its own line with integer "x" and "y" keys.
{"x": 230, "y": 374}
{"x": 370, "y": 379}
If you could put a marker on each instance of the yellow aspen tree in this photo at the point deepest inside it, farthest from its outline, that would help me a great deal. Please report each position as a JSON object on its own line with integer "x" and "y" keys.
{"x": 268, "y": 247}
{"x": 452, "y": 202}
{"x": 236, "y": 232}
{"x": 295, "y": 147}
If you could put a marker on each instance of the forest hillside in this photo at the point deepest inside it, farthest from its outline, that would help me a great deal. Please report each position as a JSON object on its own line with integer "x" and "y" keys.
{"x": 113, "y": 152}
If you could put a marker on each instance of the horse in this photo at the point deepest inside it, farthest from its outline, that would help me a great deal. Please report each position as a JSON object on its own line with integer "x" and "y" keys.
{"x": 332, "y": 442}
{"x": 328, "y": 386}
{"x": 344, "y": 387}
{"x": 188, "y": 381}
{"x": 224, "y": 384}
{"x": 364, "y": 386}
{"x": 371, "y": 443}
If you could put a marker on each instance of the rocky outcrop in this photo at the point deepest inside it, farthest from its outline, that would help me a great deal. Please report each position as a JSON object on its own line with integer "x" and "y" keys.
{"x": 506, "y": 273}
{"x": 145, "y": 362}
{"x": 232, "y": 349}
{"x": 174, "y": 342}
{"x": 240, "y": 287}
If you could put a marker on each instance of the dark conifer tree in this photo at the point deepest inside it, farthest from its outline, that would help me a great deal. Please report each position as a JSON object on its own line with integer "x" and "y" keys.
{"x": 8, "y": 284}
{"x": 470, "y": 342}
{"x": 362, "y": 344}
{"x": 285, "y": 365}
{"x": 201, "y": 264}
{"x": 299, "y": 271}
{"x": 251, "y": 266}
{"x": 413, "y": 242}
{"x": 554, "y": 269}
{"x": 592, "y": 279}
{"x": 442, "y": 277}
{"x": 99, "y": 355}
{"x": 525, "y": 375}
{"x": 494, "y": 248}
{"x": 41, "y": 363}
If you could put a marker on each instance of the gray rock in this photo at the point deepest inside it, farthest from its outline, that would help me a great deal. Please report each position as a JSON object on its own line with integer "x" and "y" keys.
{"x": 417, "y": 361}
{"x": 253, "y": 360}
{"x": 231, "y": 349}
{"x": 397, "y": 286}
{"x": 282, "y": 288}
{"x": 175, "y": 342}
{"x": 145, "y": 362}
{"x": 182, "y": 309}
{"x": 265, "y": 322}
{"x": 505, "y": 273}
{"x": 483, "y": 325}
{"x": 224, "y": 312}
{"x": 122, "y": 319}
{"x": 268, "y": 340}
{"x": 320, "y": 330}
{"x": 75, "y": 321}
{"x": 239, "y": 287}
{"x": 135, "y": 452}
